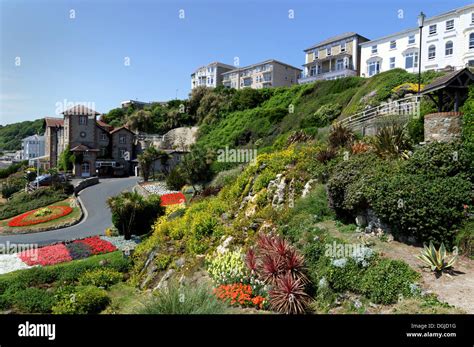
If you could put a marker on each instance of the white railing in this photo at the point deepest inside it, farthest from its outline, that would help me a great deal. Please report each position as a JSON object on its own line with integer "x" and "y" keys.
{"x": 406, "y": 107}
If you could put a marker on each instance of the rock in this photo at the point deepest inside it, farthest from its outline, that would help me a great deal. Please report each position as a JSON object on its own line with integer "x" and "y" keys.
{"x": 361, "y": 220}
{"x": 225, "y": 216}
{"x": 180, "y": 262}
{"x": 307, "y": 187}
{"x": 291, "y": 194}
{"x": 279, "y": 196}
{"x": 164, "y": 280}
{"x": 224, "y": 246}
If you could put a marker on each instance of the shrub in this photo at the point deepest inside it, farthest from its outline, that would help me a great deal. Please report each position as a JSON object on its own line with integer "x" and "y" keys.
{"x": 175, "y": 179}
{"x": 437, "y": 259}
{"x": 100, "y": 278}
{"x": 288, "y": 295}
{"x": 416, "y": 205}
{"x": 133, "y": 213}
{"x": 391, "y": 142}
{"x": 189, "y": 299}
{"x": 162, "y": 261}
{"x": 465, "y": 239}
{"x": 323, "y": 116}
{"x": 227, "y": 268}
{"x": 82, "y": 300}
{"x": 33, "y": 300}
{"x": 4, "y": 173}
{"x": 239, "y": 294}
{"x": 387, "y": 280}
{"x": 340, "y": 136}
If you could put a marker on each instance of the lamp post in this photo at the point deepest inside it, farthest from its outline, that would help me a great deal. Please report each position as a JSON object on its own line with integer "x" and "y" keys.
{"x": 421, "y": 22}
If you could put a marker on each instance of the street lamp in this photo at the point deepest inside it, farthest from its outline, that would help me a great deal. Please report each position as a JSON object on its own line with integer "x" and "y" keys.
{"x": 421, "y": 22}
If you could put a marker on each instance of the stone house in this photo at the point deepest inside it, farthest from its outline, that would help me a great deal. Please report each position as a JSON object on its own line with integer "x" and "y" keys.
{"x": 99, "y": 148}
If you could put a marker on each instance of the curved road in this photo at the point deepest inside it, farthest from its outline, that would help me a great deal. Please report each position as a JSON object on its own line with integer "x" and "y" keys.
{"x": 97, "y": 216}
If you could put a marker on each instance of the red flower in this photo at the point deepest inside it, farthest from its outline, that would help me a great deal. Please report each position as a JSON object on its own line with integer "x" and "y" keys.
{"x": 97, "y": 245}
{"x": 48, "y": 255}
{"x": 238, "y": 294}
{"x": 172, "y": 199}
{"x": 28, "y": 218}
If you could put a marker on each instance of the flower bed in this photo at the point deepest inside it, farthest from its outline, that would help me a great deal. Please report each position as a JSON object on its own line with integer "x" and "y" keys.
{"x": 39, "y": 216}
{"x": 48, "y": 255}
{"x": 97, "y": 245}
{"x": 62, "y": 252}
{"x": 173, "y": 199}
{"x": 239, "y": 294}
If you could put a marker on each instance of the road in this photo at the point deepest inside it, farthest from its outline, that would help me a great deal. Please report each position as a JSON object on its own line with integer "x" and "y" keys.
{"x": 97, "y": 216}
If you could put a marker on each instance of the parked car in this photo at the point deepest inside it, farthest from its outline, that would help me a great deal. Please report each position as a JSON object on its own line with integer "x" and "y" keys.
{"x": 47, "y": 180}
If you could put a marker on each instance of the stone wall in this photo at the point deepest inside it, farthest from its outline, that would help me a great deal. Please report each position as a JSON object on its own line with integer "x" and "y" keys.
{"x": 442, "y": 126}
{"x": 85, "y": 183}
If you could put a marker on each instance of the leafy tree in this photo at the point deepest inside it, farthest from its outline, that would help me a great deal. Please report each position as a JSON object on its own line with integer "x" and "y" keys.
{"x": 115, "y": 117}
{"x": 66, "y": 160}
{"x": 141, "y": 120}
{"x": 148, "y": 157}
{"x": 196, "y": 165}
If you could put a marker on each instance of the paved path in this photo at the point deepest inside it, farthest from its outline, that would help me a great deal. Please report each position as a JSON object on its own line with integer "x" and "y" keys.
{"x": 96, "y": 219}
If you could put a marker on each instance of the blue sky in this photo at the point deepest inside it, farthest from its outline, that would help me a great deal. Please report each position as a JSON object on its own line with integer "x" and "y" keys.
{"x": 82, "y": 59}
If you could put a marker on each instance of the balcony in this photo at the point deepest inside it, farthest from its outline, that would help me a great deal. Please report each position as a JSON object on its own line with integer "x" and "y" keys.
{"x": 326, "y": 74}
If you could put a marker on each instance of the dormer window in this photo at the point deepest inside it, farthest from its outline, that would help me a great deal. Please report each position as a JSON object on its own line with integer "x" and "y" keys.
{"x": 328, "y": 51}
{"x": 374, "y": 49}
{"x": 83, "y": 120}
{"x": 343, "y": 47}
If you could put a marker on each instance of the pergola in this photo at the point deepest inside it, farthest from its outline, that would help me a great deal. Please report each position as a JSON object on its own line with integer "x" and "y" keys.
{"x": 452, "y": 87}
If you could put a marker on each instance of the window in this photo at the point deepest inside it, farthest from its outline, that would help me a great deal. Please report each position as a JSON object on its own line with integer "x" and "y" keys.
{"x": 339, "y": 64}
{"x": 431, "y": 52}
{"x": 449, "y": 48}
{"x": 392, "y": 62}
{"x": 121, "y": 153}
{"x": 450, "y": 24}
{"x": 470, "y": 63}
{"x": 328, "y": 51}
{"x": 373, "y": 68}
{"x": 103, "y": 136}
{"x": 122, "y": 139}
{"x": 471, "y": 41}
{"x": 82, "y": 120}
{"x": 343, "y": 47}
{"x": 432, "y": 29}
{"x": 374, "y": 49}
{"x": 312, "y": 70}
{"x": 315, "y": 54}
{"x": 411, "y": 60}
{"x": 472, "y": 18}
{"x": 411, "y": 39}
{"x": 393, "y": 44}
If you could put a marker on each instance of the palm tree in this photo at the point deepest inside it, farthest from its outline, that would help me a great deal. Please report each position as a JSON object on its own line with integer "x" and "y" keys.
{"x": 124, "y": 208}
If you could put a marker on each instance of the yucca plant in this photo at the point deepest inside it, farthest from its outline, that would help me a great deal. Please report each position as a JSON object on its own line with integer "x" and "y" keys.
{"x": 391, "y": 141}
{"x": 340, "y": 136}
{"x": 289, "y": 296}
{"x": 437, "y": 259}
{"x": 325, "y": 155}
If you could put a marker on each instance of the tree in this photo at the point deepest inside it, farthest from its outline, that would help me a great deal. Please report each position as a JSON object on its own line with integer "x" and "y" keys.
{"x": 66, "y": 160}
{"x": 141, "y": 120}
{"x": 115, "y": 117}
{"x": 196, "y": 165}
{"x": 148, "y": 157}
{"x": 133, "y": 214}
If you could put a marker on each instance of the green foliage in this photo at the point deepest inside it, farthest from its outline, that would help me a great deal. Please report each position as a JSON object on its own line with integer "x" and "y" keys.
{"x": 162, "y": 261}
{"x": 23, "y": 202}
{"x": 387, "y": 280}
{"x": 391, "y": 142}
{"x": 340, "y": 136}
{"x": 11, "y": 169}
{"x": 465, "y": 239}
{"x": 33, "y": 300}
{"x": 82, "y": 300}
{"x": 66, "y": 159}
{"x": 115, "y": 117}
{"x": 189, "y": 299}
{"x": 175, "y": 179}
{"x": 132, "y": 213}
{"x": 12, "y": 134}
{"x": 11, "y": 186}
{"x": 416, "y": 129}
{"x": 323, "y": 116}
{"x": 100, "y": 278}
{"x": 196, "y": 165}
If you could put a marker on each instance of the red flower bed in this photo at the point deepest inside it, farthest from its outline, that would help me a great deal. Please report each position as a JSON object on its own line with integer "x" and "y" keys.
{"x": 239, "y": 295}
{"x": 48, "y": 255}
{"x": 172, "y": 199}
{"x": 97, "y": 245}
{"x": 28, "y": 218}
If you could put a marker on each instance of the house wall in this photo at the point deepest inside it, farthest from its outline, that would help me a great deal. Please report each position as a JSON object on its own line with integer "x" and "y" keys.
{"x": 459, "y": 36}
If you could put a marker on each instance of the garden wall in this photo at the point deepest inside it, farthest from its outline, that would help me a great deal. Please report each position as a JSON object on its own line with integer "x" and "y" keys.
{"x": 85, "y": 183}
{"x": 442, "y": 126}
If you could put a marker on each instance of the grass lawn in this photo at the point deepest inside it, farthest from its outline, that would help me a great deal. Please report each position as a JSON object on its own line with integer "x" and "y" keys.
{"x": 70, "y": 219}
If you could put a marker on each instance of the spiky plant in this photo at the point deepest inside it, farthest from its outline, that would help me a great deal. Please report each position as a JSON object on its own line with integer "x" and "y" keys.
{"x": 272, "y": 267}
{"x": 437, "y": 259}
{"x": 340, "y": 136}
{"x": 294, "y": 264}
{"x": 325, "y": 155}
{"x": 391, "y": 141}
{"x": 288, "y": 295}
{"x": 251, "y": 260}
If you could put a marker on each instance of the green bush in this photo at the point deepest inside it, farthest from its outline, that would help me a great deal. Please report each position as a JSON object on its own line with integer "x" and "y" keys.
{"x": 227, "y": 268}
{"x": 190, "y": 299}
{"x": 101, "y": 277}
{"x": 175, "y": 179}
{"x": 4, "y": 173}
{"x": 83, "y": 300}
{"x": 430, "y": 209}
{"x": 387, "y": 280}
{"x": 465, "y": 239}
{"x": 33, "y": 300}
{"x": 23, "y": 202}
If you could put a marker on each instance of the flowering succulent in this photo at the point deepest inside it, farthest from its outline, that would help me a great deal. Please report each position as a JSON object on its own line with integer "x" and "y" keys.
{"x": 239, "y": 294}
{"x": 228, "y": 267}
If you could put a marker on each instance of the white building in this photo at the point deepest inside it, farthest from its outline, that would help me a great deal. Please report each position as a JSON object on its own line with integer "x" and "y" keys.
{"x": 209, "y": 75}
{"x": 447, "y": 42}
{"x": 32, "y": 147}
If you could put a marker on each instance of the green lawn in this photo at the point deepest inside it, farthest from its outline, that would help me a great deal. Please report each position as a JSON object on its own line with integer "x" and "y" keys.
{"x": 67, "y": 220}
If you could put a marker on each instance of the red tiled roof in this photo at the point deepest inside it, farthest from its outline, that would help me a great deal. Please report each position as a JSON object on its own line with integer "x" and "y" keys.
{"x": 54, "y": 122}
{"x": 80, "y": 110}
